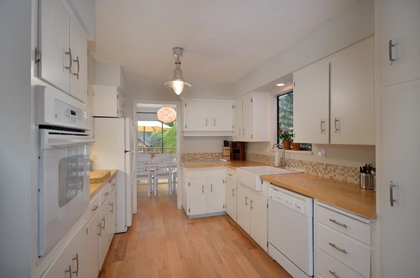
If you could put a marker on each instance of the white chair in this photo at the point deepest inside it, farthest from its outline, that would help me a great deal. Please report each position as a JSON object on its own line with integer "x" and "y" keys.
{"x": 162, "y": 169}
{"x": 144, "y": 170}
{"x": 174, "y": 179}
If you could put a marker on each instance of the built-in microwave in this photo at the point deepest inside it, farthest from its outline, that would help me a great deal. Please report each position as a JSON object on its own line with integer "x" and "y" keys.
{"x": 63, "y": 164}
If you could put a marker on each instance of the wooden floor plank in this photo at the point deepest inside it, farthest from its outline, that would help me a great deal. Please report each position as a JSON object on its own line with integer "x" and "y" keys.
{"x": 164, "y": 242}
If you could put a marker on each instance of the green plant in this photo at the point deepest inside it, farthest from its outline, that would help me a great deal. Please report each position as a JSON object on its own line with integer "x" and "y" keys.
{"x": 285, "y": 135}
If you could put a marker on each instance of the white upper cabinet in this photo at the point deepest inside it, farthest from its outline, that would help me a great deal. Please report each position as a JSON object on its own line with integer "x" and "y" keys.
{"x": 252, "y": 117}
{"x": 334, "y": 99}
{"x": 108, "y": 101}
{"x": 208, "y": 117}
{"x": 352, "y": 97}
{"x": 84, "y": 10}
{"x": 62, "y": 50}
{"x": 400, "y": 41}
{"x": 311, "y": 104}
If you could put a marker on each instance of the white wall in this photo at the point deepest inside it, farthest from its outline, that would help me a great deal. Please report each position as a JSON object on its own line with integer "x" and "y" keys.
{"x": 16, "y": 148}
{"x": 348, "y": 27}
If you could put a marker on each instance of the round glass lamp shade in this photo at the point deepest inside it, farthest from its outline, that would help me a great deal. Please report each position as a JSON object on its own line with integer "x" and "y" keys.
{"x": 166, "y": 114}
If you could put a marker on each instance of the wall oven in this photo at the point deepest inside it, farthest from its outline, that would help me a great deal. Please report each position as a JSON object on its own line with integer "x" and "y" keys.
{"x": 63, "y": 164}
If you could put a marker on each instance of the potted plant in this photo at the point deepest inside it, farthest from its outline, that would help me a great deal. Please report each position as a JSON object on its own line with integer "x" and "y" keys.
{"x": 286, "y": 137}
{"x": 295, "y": 146}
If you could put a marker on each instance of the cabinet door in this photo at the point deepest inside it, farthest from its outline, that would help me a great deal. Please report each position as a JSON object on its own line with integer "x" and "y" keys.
{"x": 78, "y": 77}
{"x": 247, "y": 117}
{"x": 215, "y": 194}
{"x": 197, "y": 115}
{"x": 311, "y": 104}
{"x": 237, "y": 134}
{"x": 54, "y": 43}
{"x": 230, "y": 198}
{"x": 258, "y": 218}
{"x": 77, "y": 252}
{"x": 60, "y": 267}
{"x": 242, "y": 207}
{"x": 104, "y": 233}
{"x": 353, "y": 96}
{"x": 197, "y": 196}
{"x": 222, "y": 116}
{"x": 400, "y": 23}
{"x": 92, "y": 246}
{"x": 111, "y": 221}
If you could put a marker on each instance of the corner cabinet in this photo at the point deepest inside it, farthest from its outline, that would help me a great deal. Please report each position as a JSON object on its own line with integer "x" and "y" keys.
{"x": 208, "y": 117}
{"x": 230, "y": 193}
{"x": 61, "y": 54}
{"x": 204, "y": 191}
{"x": 342, "y": 243}
{"x": 252, "y": 212}
{"x": 252, "y": 117}
{"x": 334, "y": 99}
{"x": 108, "y": 101}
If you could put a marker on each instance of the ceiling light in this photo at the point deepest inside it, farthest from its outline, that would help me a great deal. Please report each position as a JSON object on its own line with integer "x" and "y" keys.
{"x": 166, "y": 114}
{"x": 177, "y": 82}
{"x": 280, "y": 84}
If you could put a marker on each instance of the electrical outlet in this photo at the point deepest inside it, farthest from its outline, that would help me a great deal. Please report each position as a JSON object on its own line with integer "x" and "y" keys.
{"x": 322, "y": 153}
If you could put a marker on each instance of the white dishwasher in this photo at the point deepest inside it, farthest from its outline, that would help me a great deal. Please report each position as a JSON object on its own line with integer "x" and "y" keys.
{"x": 290, "y": 231}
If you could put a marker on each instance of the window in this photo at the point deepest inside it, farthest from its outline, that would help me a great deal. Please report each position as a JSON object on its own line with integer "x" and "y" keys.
{"x": 285, "y": 117}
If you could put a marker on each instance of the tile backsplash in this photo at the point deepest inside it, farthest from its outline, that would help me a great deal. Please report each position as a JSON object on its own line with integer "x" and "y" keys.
{"x": 337, "y": 172}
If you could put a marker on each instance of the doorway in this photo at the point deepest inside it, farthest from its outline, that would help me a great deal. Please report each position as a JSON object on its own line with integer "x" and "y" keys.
{"x": 155, "y": 136}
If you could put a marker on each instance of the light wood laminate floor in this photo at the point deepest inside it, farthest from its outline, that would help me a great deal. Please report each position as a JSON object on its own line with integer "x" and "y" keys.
{"x": 164, "y": 242}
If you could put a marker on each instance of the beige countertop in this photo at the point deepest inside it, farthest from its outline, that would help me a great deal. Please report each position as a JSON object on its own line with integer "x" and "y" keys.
{"x": 95, "y": 186}
{"x": 345, "y": 195}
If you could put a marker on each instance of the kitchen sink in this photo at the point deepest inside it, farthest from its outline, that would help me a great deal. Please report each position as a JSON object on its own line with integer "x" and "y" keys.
{"x": 250, "y": 176}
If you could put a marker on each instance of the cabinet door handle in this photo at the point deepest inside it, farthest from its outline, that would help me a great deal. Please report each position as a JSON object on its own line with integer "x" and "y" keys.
{"x": 78, "y": 67}
{"x": 390, "y": 46}
{"x": 391, "y": 194}
{"x": 250, "y": 204}
{"x": 338, "y": 223}
{"x": 243, "y": 131}
{"x": 70, "y": 60}
{"x": 233, "y": 192}
{"x": 103, "y": 219}
{"x": 333, "y": 274}
{"x": 211, "y": 187}
{"x": 100, "y": 229}
{"x": 111, "y": 204}
{"x": 68, "y": 270}
{"x": 206, "y": 121}
{"x": 337, "y": 120}
{"x": 322, "y": 126}
{"x": 214, "y": 121}
{"x": 338, "y": 248}
{"x": 202, "y": 188}
{"x": 246, "y": 201}
{"x": 77, "y": 265}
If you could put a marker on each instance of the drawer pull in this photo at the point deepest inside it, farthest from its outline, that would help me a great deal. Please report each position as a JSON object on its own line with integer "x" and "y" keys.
{"x": 339, "y": 249}
{"x": 94, "y": 208}
{"x": 333, "y": 274}
{"x": 338, "y": 223}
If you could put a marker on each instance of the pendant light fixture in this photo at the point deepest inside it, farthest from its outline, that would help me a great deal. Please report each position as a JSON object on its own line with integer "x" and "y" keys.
{"x": 166, "y": 114}
{"x": 177, "y": 82}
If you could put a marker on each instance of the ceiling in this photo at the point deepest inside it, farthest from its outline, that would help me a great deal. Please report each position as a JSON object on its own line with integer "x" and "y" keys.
{"x": 223, "y": 40}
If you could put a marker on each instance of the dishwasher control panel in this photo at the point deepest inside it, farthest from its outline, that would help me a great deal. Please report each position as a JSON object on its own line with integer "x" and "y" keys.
{"x": 294, "y": 201}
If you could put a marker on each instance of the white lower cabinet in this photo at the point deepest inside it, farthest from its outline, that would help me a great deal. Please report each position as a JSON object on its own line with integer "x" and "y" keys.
{"x": 205, "y": 192}
{"x": 71, "y": 261}
{"x": 107, "y": 226}
{"x": 251, "y": 212}
{"x": 230, "y": 193}
{"x": 342, "y": 243}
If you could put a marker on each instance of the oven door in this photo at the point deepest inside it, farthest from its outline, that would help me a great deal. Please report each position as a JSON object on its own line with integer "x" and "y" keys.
{"x": 63, "y": 186}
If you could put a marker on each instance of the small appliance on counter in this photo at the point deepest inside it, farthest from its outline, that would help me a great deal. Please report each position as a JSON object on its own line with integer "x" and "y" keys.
{"x": 237, "y": 150}
{"x": 367, "y": 177}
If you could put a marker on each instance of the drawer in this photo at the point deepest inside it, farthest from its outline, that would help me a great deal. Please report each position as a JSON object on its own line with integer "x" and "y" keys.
{"x": 345, "y": 249}
{"x": 351, "y": 225}
{"x": 112, "y": 184}
{"x": 231, "y": 174}
{"x": 93, "y": 207}
{"x": 103, "y": 193}
{"x": 327, "y": 266}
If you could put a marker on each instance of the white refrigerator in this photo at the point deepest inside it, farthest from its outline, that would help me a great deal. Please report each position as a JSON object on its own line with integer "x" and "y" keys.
{"x": 114, "y": 149}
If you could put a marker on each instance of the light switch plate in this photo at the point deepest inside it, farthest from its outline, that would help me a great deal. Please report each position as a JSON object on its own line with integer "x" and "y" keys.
{"x": 322, "y": 153}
